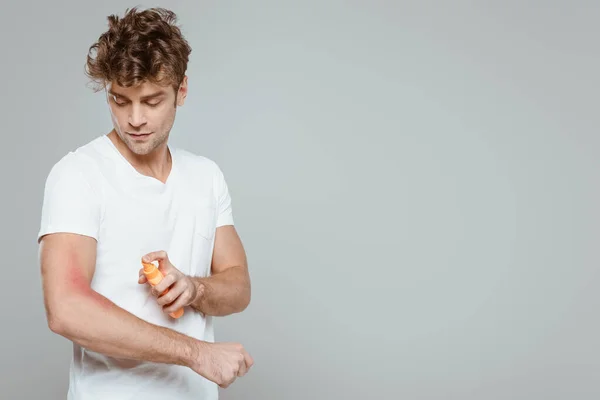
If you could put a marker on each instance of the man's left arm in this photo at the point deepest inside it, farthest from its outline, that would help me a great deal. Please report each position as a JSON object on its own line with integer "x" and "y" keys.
{"x": 227, "y": 290}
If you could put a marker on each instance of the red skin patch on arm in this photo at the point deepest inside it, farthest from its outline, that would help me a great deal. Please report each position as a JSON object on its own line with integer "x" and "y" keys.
{"x": 79, "y": 284}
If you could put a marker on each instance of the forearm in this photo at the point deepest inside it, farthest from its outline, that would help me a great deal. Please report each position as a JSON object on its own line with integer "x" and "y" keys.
{"x": 223, "y": 293}
{"x": 96, "y": 323}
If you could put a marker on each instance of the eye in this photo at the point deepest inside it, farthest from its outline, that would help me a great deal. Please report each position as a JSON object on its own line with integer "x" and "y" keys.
{"x": 153, "y": 103}
{"x": 118, "y": 101}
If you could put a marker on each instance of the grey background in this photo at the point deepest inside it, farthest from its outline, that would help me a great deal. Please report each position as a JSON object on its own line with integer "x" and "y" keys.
{"x": 415, "y": 184}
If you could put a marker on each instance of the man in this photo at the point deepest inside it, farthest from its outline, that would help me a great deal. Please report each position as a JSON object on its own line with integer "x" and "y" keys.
{"x": 127, "y": 197}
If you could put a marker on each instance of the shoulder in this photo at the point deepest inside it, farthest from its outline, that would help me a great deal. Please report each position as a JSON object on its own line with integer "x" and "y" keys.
{"x": 197, "y": 165}
{"x": 77, "y": 167}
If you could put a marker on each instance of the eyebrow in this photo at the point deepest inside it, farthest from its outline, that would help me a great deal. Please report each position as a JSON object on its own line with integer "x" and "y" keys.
{"x": 147, "y": 97}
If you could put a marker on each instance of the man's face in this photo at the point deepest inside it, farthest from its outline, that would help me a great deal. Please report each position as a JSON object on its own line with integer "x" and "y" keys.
{"x": 144, "y": 115}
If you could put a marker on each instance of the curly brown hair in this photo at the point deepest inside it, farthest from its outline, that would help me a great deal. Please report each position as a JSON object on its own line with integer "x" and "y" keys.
{"x": 142, "y": 46}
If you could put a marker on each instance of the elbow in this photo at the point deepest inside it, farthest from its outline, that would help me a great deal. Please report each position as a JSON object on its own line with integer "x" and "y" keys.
{"x": 56, "y": 326}
{"x": 247, "y": 292}
{"x": 245, "y": 300}
{"x": 56, "y": 322}
{"x": 240, "y": 304}
{"x": 58, "y": 319}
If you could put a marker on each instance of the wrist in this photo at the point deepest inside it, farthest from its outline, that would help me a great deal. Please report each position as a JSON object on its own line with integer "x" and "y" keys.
{"x": 193, "y": 353}
{"x": 200, "y": 289}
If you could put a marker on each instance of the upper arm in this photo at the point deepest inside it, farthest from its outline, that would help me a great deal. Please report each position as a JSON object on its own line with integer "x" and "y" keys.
{"x": 228, "y": 250}
{"x": 67, "y": 263}
{"x": 69, "y": 230}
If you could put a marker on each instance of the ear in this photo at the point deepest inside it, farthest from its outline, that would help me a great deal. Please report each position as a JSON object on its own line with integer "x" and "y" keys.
{"x": 182, "y": 92}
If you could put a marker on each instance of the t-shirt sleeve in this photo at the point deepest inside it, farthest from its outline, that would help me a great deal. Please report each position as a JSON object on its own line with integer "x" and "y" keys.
{"x": 70, "y": 205}
{"x": 224, "y": 210}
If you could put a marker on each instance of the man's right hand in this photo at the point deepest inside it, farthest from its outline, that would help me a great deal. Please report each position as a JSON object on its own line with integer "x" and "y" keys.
{"x": 222, "y": 363}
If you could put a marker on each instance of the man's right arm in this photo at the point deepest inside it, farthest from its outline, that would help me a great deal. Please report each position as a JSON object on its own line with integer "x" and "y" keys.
{"x": 82, "y": 315}
{"x": 77, "y": 312}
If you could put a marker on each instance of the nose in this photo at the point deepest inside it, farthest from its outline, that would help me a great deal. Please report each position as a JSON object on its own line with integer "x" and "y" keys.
{"x": 136, "y": 116}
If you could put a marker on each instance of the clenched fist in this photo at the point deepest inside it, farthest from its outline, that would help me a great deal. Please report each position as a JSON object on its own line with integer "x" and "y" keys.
{"x": 222, "y": 363}
{"x": 182, "y": 290}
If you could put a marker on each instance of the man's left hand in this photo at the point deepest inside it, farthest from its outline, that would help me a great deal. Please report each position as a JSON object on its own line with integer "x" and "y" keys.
{"x": 182, "y": 290}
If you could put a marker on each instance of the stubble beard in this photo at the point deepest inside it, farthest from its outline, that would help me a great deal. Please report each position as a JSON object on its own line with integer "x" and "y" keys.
{"x": 147, "y": 147}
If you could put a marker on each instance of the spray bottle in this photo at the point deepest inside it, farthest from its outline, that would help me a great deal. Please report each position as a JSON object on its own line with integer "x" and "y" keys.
{"x": 154, "y": 276}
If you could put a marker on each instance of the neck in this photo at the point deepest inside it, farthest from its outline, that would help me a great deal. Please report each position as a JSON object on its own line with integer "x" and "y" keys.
{"x": 156, "y": 164}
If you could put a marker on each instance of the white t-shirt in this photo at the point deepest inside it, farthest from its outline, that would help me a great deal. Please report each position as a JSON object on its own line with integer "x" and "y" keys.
{"x": 95, "y": 191}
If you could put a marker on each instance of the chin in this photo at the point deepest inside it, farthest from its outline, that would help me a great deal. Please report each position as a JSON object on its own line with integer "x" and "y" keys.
{"x": 141, "y": 149}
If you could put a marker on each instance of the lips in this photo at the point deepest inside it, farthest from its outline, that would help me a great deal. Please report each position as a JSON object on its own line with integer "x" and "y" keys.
{"x": 139, "y": 135}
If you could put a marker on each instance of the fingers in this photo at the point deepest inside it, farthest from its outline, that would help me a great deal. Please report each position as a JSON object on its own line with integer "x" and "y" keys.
{"x": 169, "y": 297}
{"x": 249, "y": 361}
{"x": 142, "y": 277}
{"x": 182, "y": 299}
{"x": 226, "y": 384}
{"x": 165, "y": 284}
{"x": 229, "y": 382}
{"x": 242, "y": 368}
{"x": 171, "y": 291}
{"x": 171, "y": 308}
{"x": 164, "y": 264}
{"x": 231, "y": 361}
{"x": 246, "y": 363}
{"x": 244, "y": 360}
{"x": 159, "y": 256}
